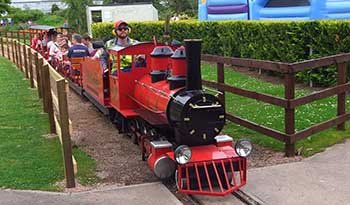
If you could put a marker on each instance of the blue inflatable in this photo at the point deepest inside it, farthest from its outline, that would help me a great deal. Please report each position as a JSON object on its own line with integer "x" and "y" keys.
{"x": 223, "y": 9}
{"x": 284, "y": 9}
{"x": 273, "y": 9}
{"x": 336, "y": 9}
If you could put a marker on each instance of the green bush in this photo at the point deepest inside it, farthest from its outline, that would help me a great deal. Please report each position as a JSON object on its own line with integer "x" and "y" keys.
{"x": 283, "y": 41}
{"x": 51, "y": 20}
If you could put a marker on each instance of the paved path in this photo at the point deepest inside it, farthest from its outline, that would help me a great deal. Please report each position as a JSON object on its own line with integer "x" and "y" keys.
{"x": 321, "y": 179}
{"x": 145, "y": 194}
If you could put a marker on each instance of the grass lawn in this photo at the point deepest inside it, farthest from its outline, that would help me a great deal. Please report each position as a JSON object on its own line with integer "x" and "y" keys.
{"x": 273, "y": 116}
{"x": 27, "y": 159}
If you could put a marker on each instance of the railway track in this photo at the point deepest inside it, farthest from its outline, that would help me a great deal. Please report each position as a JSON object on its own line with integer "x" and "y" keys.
{"x": 211, "y": 200}
{"x": 236, "y": 198}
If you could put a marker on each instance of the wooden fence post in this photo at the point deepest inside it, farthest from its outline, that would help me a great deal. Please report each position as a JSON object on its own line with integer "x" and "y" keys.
{"x": 30, "y": 66}
{"x": 25, "y": 59}
{"x": 289, "y": 116}
{"x": 37, "y": 70}
{"x": 66, "y": 141}
{"x": 13, "y": 49}
{"x": 221, "y": 79}
{"x": 20, "y": 54}
{"x": 2, "y": 47}
{"x": 16, "y": 53}
{"x": 341, "y": 78}
{"x": 8, "y": 46}
{"x": 18, "y": 38}
{"x": 47, "y": 96}
{"x": 41, "y": 64}
{"x": 24, "y": 37}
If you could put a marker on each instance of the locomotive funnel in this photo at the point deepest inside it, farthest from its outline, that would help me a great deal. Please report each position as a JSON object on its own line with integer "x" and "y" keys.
{"x": 193, "y": 57}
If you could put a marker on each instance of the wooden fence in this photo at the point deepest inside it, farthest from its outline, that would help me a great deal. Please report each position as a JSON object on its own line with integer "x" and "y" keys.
{"x": 289, "y": 102}
{"x": 52, "y": 89}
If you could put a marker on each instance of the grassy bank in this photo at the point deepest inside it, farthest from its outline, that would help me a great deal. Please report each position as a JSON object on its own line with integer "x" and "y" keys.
{"x": 27, "y": 159}
{"x": 273, "y": 116}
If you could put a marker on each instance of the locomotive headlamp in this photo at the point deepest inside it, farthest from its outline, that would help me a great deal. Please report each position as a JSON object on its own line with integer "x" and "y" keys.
{"x": 243, "y": 147}
{"x": 183, "y": 154}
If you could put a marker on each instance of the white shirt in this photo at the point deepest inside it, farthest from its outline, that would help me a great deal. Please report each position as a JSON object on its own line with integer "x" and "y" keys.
{"x": 54, "y": 48}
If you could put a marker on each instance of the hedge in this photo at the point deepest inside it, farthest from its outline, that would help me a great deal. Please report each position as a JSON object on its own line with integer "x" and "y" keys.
{"x": 284, "y": 41}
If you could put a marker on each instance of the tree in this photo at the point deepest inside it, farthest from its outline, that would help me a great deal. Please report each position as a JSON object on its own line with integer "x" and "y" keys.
{"x": 176, "y": 7}
{"x": 4, "y": 6}
{"x": 76, "y": 14}
{"x": 107, "y": 1}
{"x": 54, "y": 8}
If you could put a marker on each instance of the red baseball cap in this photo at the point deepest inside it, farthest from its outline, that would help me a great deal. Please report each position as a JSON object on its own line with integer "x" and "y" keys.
{"x": 118, "y": 23}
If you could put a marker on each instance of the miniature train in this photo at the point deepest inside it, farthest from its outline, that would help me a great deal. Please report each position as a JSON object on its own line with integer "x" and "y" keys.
{"x": 161, "y": 104}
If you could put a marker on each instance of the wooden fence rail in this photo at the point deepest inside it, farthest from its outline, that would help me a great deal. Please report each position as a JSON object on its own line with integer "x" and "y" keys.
{"x": 289, "y": 102}
{"x": 52, "y": 89}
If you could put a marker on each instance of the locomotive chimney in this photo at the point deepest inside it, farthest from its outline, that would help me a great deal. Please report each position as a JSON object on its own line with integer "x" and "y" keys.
{"x": 193, "y": 57}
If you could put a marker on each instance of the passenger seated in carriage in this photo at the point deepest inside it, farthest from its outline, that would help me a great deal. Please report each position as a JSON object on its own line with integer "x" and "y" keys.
{"x": 54, "y": 48}
{"x": 35, "y": 43}
{"x": 86, "y": 41}
{"x": 77, "y": 49}
{"x": 64, "y": 59}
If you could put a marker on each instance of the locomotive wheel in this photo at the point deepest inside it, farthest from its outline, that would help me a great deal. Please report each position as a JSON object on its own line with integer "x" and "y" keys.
{"x": 112, "y": 115}
{"x": 134, "y": 138}
{"x": 133, "y": 131}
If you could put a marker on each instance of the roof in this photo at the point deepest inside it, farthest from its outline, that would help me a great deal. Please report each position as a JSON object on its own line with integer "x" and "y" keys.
{"x": 121, "y": 48}
{"x": 42, "y": 27}
{"x": 146, "y": 2}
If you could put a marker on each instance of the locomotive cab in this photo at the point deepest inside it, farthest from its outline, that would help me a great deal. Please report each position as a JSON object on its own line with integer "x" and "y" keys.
{"x": 128, "y": 64}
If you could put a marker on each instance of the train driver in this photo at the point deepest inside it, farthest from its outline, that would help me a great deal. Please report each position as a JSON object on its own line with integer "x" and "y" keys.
{"x": 121, "y": 31}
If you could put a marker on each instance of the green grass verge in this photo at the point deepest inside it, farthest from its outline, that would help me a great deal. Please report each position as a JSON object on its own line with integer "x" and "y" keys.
{"x": 27, "y": 159}
{"x": 273, "y": 116}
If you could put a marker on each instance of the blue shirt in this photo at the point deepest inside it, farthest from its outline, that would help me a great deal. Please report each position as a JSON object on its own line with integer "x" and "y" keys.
{"x": 78, "y": 51}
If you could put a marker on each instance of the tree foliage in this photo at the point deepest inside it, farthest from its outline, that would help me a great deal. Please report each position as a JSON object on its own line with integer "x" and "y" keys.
{"x": 18, "y": 15}
{"x": 123, "y": 1}
{"x": 176, "y": 7}
{"x": 54, "y": 8}
{"x": 75, "y": 13}
{"x": 4, "y": 6}
{"x": 166, "y": 7}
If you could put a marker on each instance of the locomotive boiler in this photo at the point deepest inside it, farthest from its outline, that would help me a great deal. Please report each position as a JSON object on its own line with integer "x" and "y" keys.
{"x": 196, "y": 117}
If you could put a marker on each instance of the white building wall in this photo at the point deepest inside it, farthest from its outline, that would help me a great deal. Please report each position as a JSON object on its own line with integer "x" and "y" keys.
{"x": 43, "y": 5}
{"x": 129, "y": 13}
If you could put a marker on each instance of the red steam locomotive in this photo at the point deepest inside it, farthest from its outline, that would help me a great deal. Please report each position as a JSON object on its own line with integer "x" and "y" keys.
{"x": 159, "y": 99}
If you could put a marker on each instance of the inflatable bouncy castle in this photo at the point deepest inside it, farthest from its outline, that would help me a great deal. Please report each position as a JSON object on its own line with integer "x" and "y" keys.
{"x": 223, "y": 9}
{"x": 336, "y": 9}
{"x": 273, "y": 9}
{"x": 285, "y": 9}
